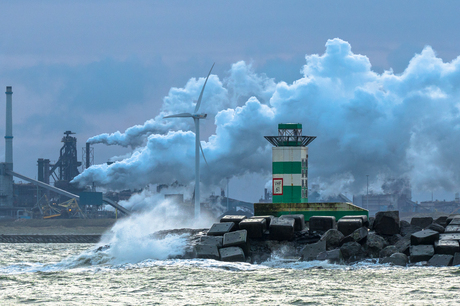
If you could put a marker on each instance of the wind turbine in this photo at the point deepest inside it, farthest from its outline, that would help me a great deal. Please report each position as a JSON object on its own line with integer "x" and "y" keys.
{"x": 196, "y": 119}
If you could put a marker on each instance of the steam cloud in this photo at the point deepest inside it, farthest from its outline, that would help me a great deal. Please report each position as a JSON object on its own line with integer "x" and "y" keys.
{"x": 405, "y": 125}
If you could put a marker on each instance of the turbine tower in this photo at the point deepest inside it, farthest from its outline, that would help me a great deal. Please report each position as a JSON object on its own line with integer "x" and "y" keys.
{"x": 196, "y": 119}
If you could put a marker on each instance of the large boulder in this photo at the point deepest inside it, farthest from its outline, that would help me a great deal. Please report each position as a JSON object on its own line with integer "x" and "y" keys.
{"x": 374, "y": 244}
{"x": 386, "y": 223}
{"x": 441, "y": 221}
{"x": 371, "y": 223}
{"x": 359, "y": 235}
{"x": 312, "y": 250}
{"x": 351, "y": 251}
{"x": 388, "y": 251}
{"x": 397, "y": 259}
{"x": 406, "y": 228}
{"x": 436, "y": 227}
{"x": 334, "y": 256}
{"x": 422, "y": 222}
{"x": 403, "y": 245}
{"x": 332, "y": 238}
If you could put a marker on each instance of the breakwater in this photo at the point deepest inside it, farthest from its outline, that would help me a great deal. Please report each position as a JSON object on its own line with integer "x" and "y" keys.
{"x": 383, "y": 239}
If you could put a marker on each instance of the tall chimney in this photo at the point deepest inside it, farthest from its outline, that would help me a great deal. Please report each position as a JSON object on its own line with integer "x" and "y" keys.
{"x": 9, "y": 127}
{"x": 88, "y": 155}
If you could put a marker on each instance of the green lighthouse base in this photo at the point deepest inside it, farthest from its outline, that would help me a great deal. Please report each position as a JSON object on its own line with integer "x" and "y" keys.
{"x": 338, "y": 210}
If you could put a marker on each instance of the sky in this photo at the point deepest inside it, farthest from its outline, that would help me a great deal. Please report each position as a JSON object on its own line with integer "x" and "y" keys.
{"x": 376, "y": 83}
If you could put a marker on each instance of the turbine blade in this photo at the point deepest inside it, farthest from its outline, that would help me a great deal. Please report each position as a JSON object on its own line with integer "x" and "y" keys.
{"x": 178, "y": 115}
{"x": 198, "y": 103}
{"x": 202, "y": 153}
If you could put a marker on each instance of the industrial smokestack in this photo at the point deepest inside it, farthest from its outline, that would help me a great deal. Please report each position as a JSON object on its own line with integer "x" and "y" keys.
{"x": 88, "y": 155}
{"x": 9, "y": 127}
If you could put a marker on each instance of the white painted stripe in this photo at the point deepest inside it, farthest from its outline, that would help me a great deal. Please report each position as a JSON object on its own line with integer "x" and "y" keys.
{"x": 288, "y": 154}
{"x": 290, "y": 179}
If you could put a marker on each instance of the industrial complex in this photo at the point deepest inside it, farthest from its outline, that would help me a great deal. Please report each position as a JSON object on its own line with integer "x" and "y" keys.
{"x": 52, "y": 196}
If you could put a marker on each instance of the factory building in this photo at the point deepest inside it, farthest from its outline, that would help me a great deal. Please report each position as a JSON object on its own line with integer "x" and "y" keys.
{"x": 37, "y": 198}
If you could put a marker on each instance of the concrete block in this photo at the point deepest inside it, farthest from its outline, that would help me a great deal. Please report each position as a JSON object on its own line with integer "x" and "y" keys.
{"x": 322, "y": 223}
{"x": 299, "y": 219}
{"x": 232, "y": 254}
{"x": 436, "y": 227}
{"x": 212, "y": 240}
{"x": 450, "y": 236}
{"x": 312, "y": 250}
{"x": 456, "y": 260}
{"x": 449, "y": 247}
{"x": 237, "y": 238}
{"x": 255, "y": 227}
{"x": 233, "y": 218}
{"x": 441, "y": 221}
{"x": 403, "y": 246}
{"x": 351, "y": 250}
{"x": 397, "y": 259}
{"x": 374, "y": 244}
{"x": 268, "y": 219}
{"x": 219, "y": 229}
{"x": 421, "y": 253}
{"x": 206, "y": 251}
{"x": 454, "y": 218}
{"x": 441, "y": 260}
{"x": 348, "y": 226}
{"x": 360, "y": 235}
{"x": 452, "y": 228}
{"x": 334, "y": 256}
{"x": 362, "y": 217}
{"x": 282, "y": 229}
{"x": 423, "y": 222}
{"x": 424, "y": 237}
{"x": 386, "y": 223}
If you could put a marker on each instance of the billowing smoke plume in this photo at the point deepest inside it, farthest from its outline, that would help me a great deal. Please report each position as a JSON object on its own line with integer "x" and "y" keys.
{"x": 366, "y": 123}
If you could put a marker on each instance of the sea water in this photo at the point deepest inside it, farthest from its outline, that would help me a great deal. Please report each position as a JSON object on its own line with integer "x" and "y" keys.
{"x": 78, "y": 274}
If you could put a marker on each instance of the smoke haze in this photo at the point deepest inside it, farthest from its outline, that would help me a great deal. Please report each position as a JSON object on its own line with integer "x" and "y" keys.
{"x": 389, "y": 125}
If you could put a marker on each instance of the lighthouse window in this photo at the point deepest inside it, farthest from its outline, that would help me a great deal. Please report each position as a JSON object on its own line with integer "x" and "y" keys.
{"x": 304, "y": 162}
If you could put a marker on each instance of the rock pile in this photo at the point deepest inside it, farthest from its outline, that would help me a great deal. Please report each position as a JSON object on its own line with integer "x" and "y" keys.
{"x": 384, "y": 238}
